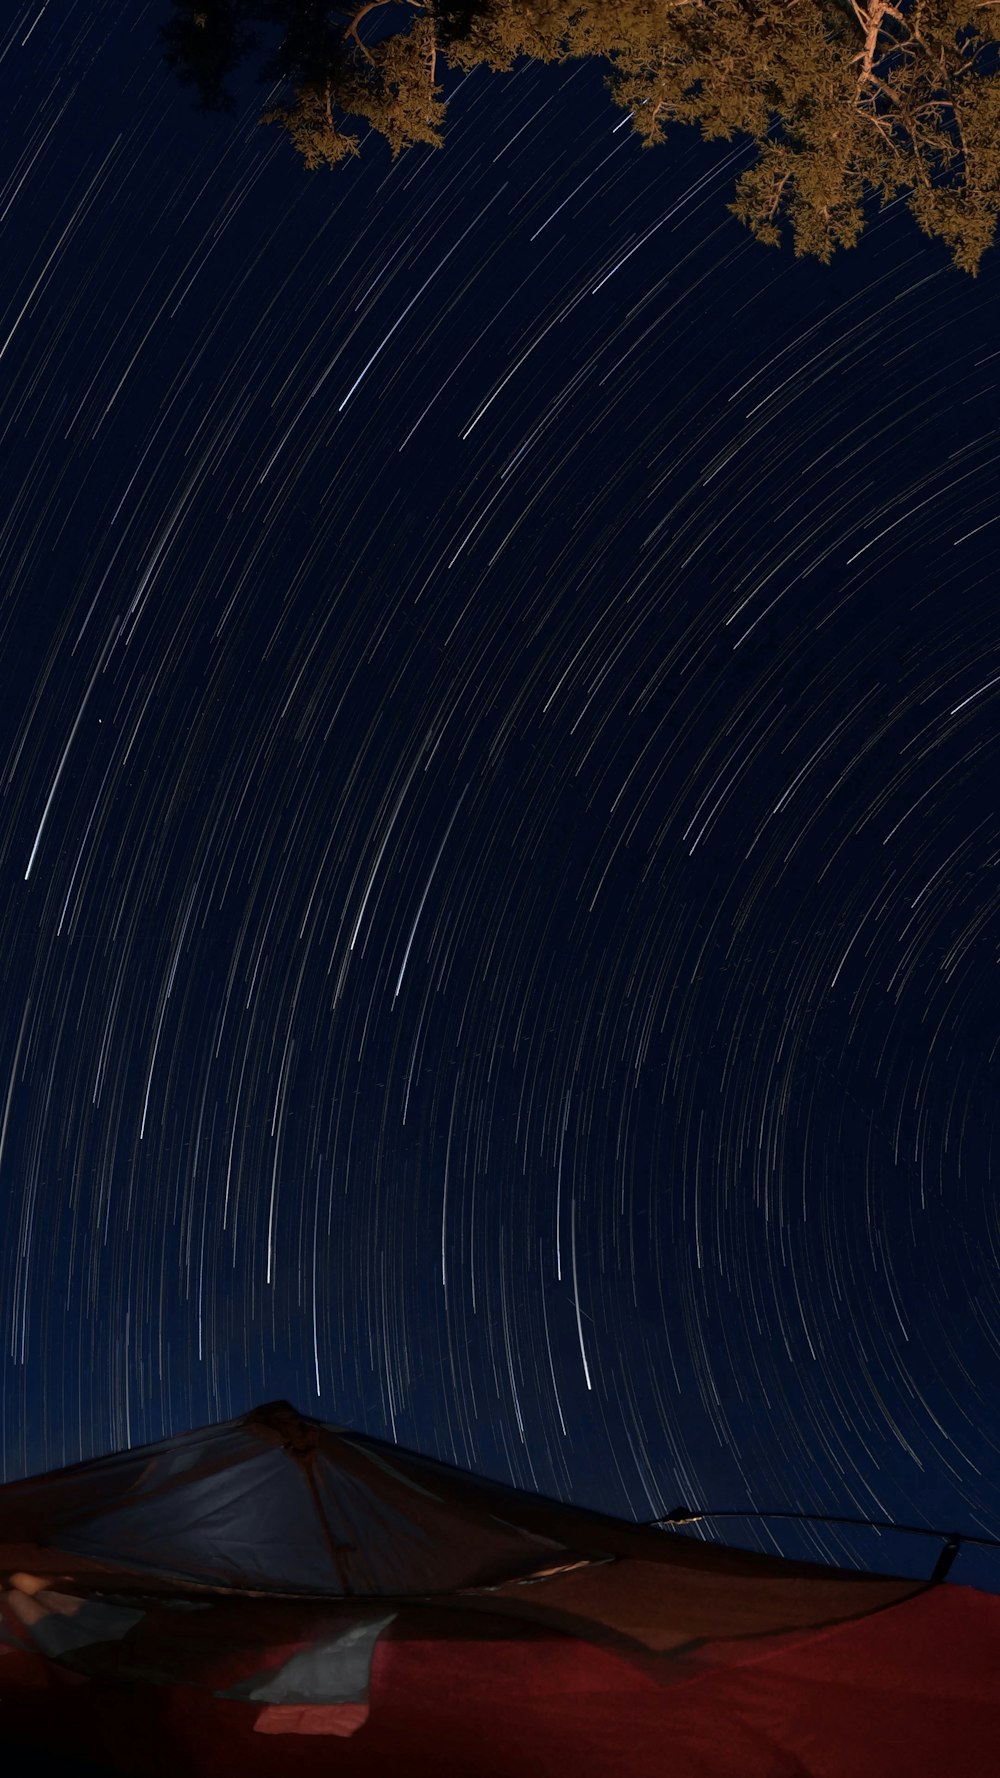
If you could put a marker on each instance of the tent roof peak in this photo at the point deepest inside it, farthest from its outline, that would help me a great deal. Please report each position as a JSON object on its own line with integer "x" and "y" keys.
{"x": 298, "y": 1432}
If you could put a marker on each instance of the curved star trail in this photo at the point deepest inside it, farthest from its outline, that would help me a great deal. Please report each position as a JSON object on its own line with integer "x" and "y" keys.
{"x": 499, "y": 832}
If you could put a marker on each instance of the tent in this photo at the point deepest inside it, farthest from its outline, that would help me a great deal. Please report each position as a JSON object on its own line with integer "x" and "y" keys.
{"x": 276, "y": 1595}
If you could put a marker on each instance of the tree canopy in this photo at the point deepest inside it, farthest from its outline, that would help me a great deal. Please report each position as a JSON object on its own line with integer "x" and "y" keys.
{"x": 841, "y": 98}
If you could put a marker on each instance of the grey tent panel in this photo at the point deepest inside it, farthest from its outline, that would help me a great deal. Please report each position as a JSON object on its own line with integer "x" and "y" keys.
{"x": 246, "y": 1525}
{"x": 336, "y": 1670}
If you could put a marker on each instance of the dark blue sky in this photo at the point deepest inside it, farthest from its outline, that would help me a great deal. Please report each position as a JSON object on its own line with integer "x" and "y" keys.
{"x": 498, "y": 816}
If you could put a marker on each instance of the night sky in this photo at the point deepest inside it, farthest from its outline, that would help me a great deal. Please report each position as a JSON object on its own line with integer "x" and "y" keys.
{"x": 499, "y": 825}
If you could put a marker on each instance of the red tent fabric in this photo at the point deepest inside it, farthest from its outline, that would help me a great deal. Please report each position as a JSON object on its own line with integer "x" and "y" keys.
{"x": 345, "y": 1607}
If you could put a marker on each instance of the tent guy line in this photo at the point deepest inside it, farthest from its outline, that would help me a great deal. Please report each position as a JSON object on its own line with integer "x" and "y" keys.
{"x": 952, "y": 1540}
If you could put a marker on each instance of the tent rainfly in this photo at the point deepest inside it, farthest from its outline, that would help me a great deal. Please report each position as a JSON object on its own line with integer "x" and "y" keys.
{"x": 280, "y": 1596}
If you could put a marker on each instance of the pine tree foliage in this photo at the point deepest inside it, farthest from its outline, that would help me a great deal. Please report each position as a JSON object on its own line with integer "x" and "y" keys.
{"x": 840, "y": 98}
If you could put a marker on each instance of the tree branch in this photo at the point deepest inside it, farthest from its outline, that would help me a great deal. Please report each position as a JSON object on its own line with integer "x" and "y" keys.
{"x": 775, "y": 201}
{"x": 352, "y": 30}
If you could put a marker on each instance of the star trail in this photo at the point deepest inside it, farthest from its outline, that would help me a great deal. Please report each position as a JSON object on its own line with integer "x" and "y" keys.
{"x": 498, "y": 806}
